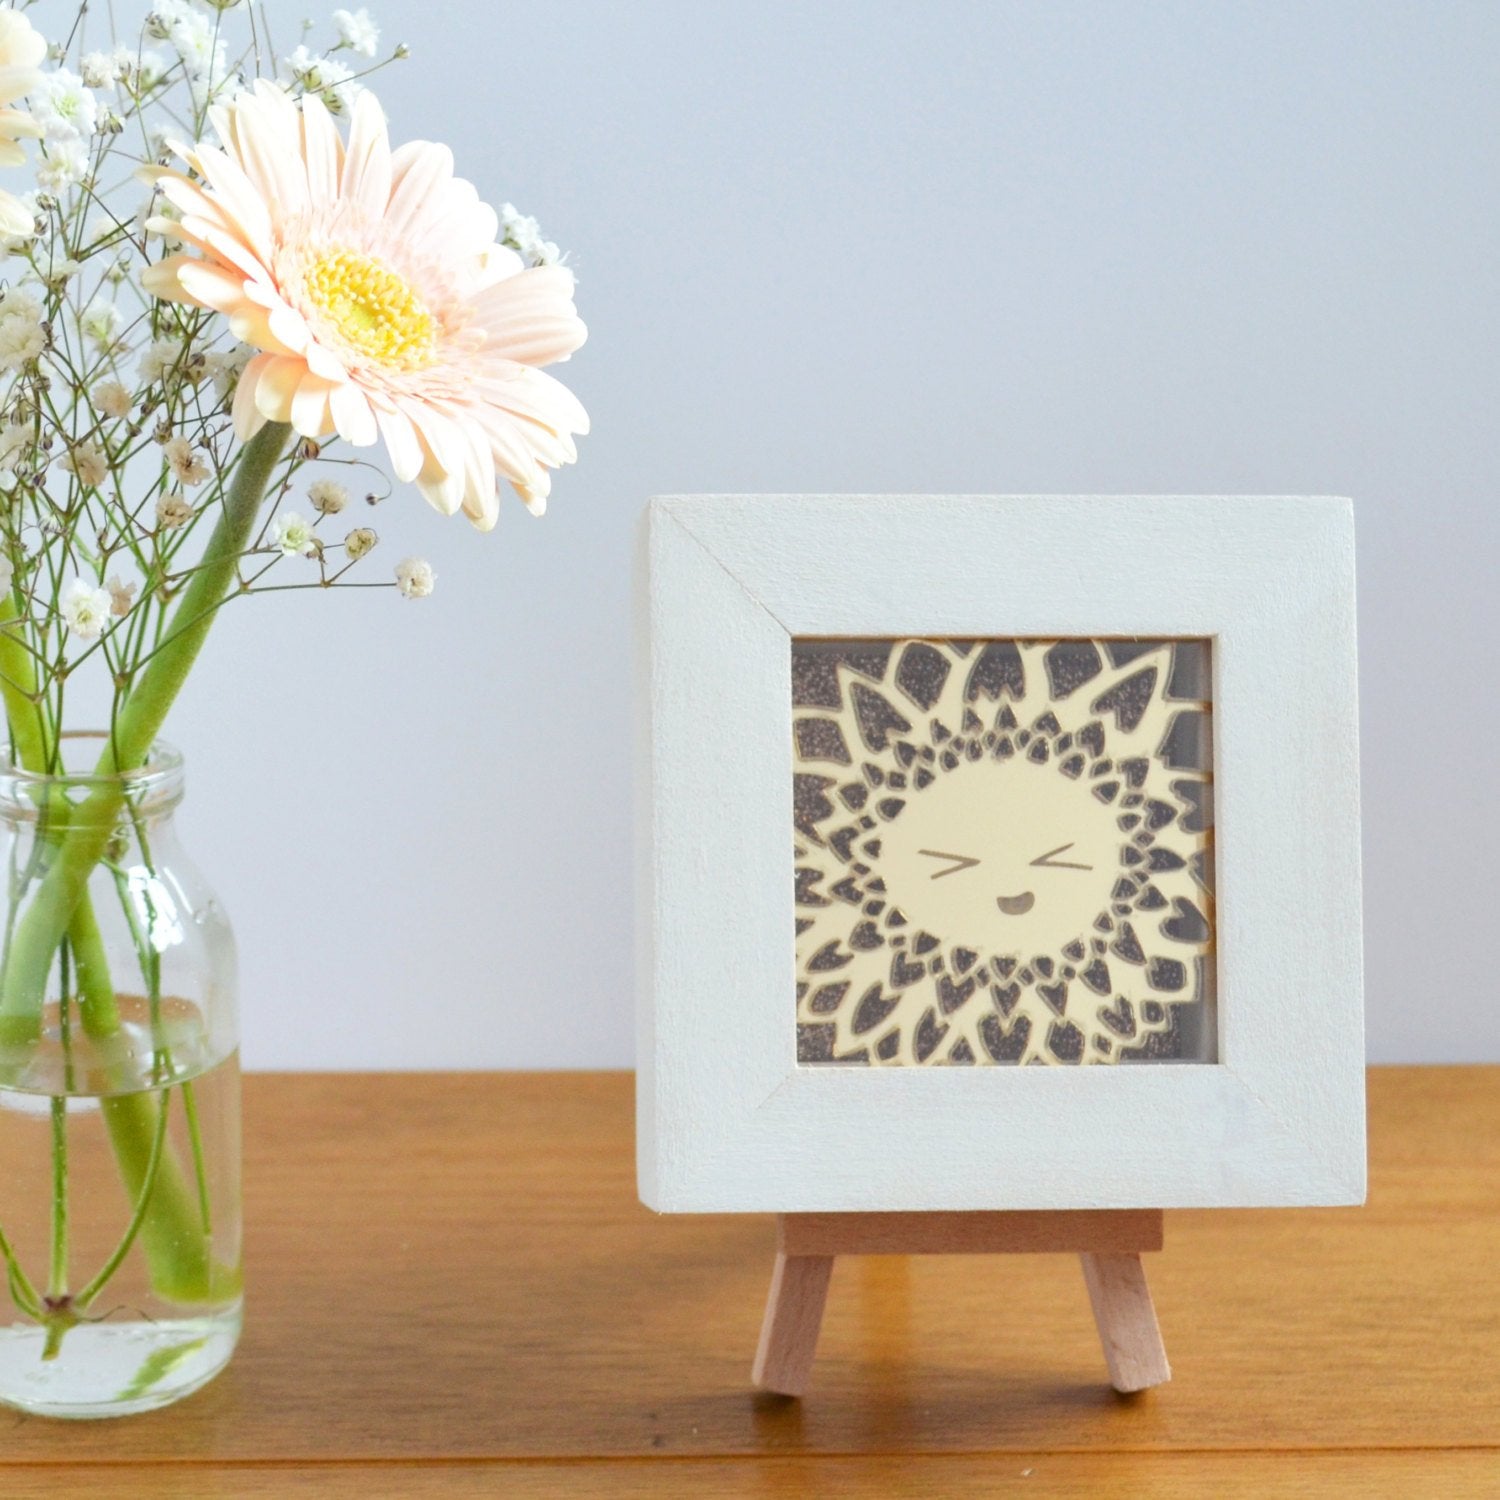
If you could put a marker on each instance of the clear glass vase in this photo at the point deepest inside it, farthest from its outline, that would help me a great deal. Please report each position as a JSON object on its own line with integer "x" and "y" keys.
{"x": 119, "y": 1095}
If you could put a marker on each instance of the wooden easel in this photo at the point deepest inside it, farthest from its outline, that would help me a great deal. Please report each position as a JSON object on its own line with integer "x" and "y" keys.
{"x": 1108, "y": 1242}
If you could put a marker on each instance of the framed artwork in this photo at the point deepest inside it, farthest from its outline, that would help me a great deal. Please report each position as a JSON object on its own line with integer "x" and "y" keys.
{"x": 998, "y": 852}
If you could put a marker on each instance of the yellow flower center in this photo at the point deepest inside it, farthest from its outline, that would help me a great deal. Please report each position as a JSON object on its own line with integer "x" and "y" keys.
{"x": 373, "y": 309}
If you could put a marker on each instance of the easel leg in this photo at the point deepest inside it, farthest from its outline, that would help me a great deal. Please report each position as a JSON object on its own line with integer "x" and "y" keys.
{"x": 1126, "y": 1320}
{"x": 794, "y": 1313}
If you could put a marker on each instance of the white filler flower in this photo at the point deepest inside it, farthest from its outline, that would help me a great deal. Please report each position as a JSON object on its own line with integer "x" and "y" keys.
{"x": 304, "y": 71}
{"x": 85, "y": 609}
{"x": 173, "y": 510}
{"x": 415, "y": 578}
{"x": 357, "y": 31}
{"x": 328, "y": 496}
{"x": 64, "y": 107}
{"x": 111, "y": 399}
{"x": 293, "y": 535}
{"x": 185, "y": 462}
{"x": 88, "y": 463}
{"x": 100, "y": 321}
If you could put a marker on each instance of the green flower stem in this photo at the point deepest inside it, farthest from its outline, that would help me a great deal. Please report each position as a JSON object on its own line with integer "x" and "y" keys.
{"x": 195, "y": 1140}
{"x": 177, "y": 1251}
{"x": 23, "y": 707}
{"x": 136, "y": 726}
{"x": 57, "y": 1280}
{"x": 167, "y": 1212}
{"x": 23, "y": 1294}
{"x": 140, "y": 1218}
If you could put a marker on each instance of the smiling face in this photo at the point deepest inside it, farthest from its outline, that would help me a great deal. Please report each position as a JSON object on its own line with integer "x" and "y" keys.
{"x": 1004, "y": 856}
{"x": 1003, "y": 851}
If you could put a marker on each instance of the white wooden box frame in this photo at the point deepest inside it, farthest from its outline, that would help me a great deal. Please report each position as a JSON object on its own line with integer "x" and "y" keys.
{"x": 726, "y": 1118}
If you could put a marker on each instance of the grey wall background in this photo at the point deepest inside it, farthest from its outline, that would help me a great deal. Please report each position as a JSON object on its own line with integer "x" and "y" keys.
{"x": 987, "y": 247}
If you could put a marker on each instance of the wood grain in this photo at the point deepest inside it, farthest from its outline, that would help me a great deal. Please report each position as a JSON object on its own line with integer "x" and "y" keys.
{"x": 1428, "y": 1475}
{"x": 454, "y": 1270}
{"x": 1126, "y": 1321}
{"x": 972, "y": 1233}
{"x": 789, "y": 1330}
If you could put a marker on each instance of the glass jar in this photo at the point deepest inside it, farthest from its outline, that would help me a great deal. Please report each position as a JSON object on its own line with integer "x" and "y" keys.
{"x": 120, "y": 1214}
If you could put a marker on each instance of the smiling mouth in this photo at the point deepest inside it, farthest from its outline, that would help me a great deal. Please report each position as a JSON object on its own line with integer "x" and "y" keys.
{"x": 1016, "y": 906}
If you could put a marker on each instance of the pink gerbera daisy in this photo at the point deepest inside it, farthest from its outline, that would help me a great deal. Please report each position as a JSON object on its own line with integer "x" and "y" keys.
{"x": 373, "y": 284}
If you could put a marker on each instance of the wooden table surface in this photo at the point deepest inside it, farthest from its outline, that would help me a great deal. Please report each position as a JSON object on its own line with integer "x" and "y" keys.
{"x": 453, "y": 1292}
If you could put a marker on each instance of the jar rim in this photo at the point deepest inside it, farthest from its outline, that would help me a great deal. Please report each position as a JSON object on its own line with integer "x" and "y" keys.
{"x": 161, "y": 775}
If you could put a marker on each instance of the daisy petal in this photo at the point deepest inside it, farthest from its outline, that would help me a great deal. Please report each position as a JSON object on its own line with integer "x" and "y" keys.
{"x": 372, "y": 284}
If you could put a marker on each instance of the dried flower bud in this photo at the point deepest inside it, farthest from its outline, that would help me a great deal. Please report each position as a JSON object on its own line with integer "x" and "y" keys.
{"x": 359, "y": 542}
{"x": 328, "y": 497}
{"x": 173, "y": 510}
{"x": 308, "y": 449}
{"x": 121, "y": 594}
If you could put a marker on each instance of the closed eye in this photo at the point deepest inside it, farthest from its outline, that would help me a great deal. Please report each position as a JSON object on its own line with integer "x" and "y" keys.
{"x": 957, "y": 862}
{"x": 1049, "y": 860}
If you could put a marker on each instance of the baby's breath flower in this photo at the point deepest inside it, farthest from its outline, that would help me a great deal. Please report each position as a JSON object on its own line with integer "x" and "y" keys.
{"x": 100, "y": 70}
{"x": 85, "y": 609}
{"x": 293, "y": 535}
{"x": 111, "y": 399}
{"x": 64, "y": 162}
{"x": 359, "y": 542}
{"x": 87, "y": 461}
{"x": 15, "y": 442}
{"x": 524, "y": 235}
{"x": 58, "y": 269}
{"x": 357, "y": 31}
{"x": 194, "y": 37}
{"x": 328, "y": 496}
{"x": 150, "y": 69}
{"x": 100, "y": 227}
{"x": 121, "y": 594}
{"x": 21, "y": 302}
{"x": 160, "y": 356}
{"x": 415, "y": 578}
{"x": 305, "y": 72}
{"x": 185, "y": 462}
{"x": 22, "y": 335}
{"x": 173, "y": 510}
{"x": 64, "y": 107}
{"x": 223, "y": 367}
{"x": 100, "y": 321}
{"x": 15, "y": 437}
